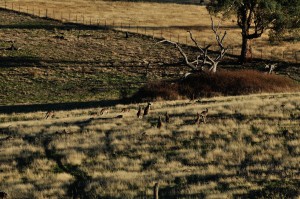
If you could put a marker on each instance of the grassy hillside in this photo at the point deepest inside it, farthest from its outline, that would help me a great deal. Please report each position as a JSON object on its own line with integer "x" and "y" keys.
{"x": 64, "y": 62}
{"x": 248, "y": 148}
{"x": 170, "y": 18}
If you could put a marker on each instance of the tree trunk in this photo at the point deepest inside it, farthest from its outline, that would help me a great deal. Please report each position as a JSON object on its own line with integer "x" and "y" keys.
{"x": 243, "y": 56}
{"x": 246, "y": 52}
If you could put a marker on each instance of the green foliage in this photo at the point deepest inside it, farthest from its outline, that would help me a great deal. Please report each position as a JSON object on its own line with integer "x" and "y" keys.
{"x": 255, "y": 16}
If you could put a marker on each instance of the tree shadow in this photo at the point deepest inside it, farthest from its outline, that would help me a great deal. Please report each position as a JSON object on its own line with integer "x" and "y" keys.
{"x": 26, "y": 108}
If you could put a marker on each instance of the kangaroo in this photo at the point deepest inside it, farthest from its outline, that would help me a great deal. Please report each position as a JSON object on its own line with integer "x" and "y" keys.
{"x": 49, "y": 114}
{"x": 204, "y": 114}
{"x": 147, "y": 109}
{"x": 167, "y": 117}
{"x": 159, "y": 122}
{"x": 104, "y": 111}
{"x": 6, "y": 138}
{"x": 124, "y": 110}
{"x": 197, "y": 120}
{"x": 139, "y": 113}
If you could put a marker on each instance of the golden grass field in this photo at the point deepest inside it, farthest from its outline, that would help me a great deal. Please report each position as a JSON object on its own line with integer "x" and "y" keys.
{"x": 249, "y": 144}
{"x": 172, "y": 20}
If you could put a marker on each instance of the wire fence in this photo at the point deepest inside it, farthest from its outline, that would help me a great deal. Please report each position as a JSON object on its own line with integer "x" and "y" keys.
{"x": 274, "y": 54}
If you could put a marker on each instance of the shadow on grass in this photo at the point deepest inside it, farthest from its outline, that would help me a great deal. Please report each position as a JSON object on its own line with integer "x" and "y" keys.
{"x": 58, "y": 106}
{"x": 45, "y": 23}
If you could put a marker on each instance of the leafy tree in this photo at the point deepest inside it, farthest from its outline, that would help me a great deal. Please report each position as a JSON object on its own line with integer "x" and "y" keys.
{"x": 255, "y": 16}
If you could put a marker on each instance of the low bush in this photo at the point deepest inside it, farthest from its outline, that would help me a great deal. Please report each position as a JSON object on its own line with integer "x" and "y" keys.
{"x": 222, "y": 83}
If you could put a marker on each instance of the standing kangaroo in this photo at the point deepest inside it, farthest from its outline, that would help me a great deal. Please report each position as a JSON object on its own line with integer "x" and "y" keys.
{"x": 204, "y": 114}
{"x": 139, "y": 113}
{"x": 147, "y": 109}
{"x": 167, "y": 117}
{"x": 159, "y": 122}
{"x": 197, "y": 120}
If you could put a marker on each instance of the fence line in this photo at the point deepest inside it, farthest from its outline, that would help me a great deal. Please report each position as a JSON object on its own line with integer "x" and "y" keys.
{"x": 158, "y": 33}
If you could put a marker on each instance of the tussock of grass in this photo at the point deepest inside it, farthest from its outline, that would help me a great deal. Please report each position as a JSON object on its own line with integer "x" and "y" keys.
{"x": 223, "y": 83}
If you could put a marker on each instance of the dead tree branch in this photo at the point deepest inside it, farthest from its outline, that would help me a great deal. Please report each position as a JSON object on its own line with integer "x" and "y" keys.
{"x": 203, "y": 58}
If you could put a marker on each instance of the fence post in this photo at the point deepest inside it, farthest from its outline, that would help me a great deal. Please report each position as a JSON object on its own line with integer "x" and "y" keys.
{"x": 19, "y": 7}
{"x": 5, "y": 4}
{"x": 161, "y": 33}
{"x": 46, "y": 13}
{"x": 33, "y": 11}
{"x": 12, "y": 6}
{"x": 155, "y": 191}
{"x": 178, "y": 38}
{"x": 61, "y": 16}
{"x": 39, "y": 12}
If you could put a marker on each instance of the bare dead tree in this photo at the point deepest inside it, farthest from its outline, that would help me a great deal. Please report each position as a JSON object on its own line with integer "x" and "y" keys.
{"x": 203, "y": 58}
{"x": 270, "y": 67}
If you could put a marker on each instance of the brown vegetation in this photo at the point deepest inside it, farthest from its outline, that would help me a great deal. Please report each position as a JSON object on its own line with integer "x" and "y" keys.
{"x": 223, "y": 83}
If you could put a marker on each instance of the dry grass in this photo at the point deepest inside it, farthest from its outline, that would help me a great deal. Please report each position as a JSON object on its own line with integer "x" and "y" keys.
{"x": 173, "y": 19}
{"x": 249, "y": 147}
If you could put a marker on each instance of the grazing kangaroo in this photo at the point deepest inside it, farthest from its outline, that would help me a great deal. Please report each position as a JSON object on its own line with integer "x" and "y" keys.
{"x": 49, "y": 114}
{"x": 204, "y": 114}
{"x": 139, "y": 113}
{"x": 159, "y": 122}
{"x": 104, "y": 110}
{"x": 124, "y": 110}
{"x": 197, "y": 120}
{"x": 6, "y": 138}
{"x": 167, "y": 117}
{"x": 3, "y": 195}
{"x": 146, "y": 110}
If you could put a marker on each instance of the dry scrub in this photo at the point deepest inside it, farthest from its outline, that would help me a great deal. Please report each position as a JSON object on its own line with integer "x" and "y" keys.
{"x": 248, "y": 147}
{"x": 223, "y": 83}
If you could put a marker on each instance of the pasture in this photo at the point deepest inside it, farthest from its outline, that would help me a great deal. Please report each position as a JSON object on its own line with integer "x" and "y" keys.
{"x": 248, "y": 148}
{"x": 168, "y": 20}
